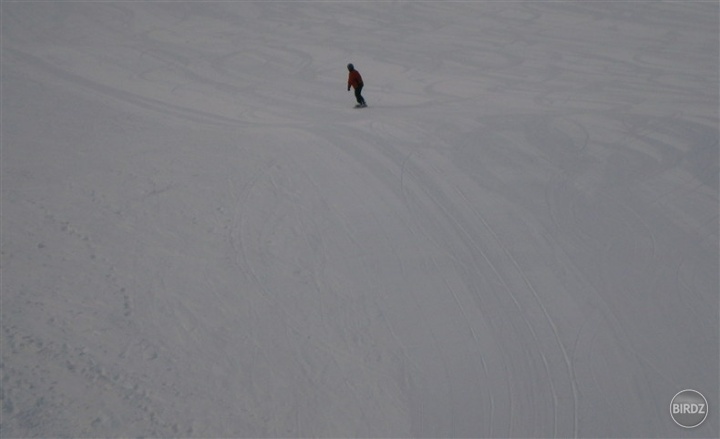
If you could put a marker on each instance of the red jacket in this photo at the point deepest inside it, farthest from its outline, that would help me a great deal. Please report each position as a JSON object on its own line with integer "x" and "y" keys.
{"x": 354, "y": 79}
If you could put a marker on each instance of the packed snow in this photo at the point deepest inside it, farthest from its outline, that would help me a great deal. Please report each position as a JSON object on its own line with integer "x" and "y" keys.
{"x": 201, "y": 237}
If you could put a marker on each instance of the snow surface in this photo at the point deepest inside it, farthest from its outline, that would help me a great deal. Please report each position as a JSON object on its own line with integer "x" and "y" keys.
{"x": 202, "y": 238}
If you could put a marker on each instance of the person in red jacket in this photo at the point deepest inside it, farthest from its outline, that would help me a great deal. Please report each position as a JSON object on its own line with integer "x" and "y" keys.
{"x": 355, "y": 81}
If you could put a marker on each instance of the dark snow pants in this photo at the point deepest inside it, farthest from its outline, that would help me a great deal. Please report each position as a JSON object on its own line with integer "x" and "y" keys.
{"x": 358, "y": 95}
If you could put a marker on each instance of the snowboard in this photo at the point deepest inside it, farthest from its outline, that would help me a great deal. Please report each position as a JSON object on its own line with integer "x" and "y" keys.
{"x": 360, "y": 106}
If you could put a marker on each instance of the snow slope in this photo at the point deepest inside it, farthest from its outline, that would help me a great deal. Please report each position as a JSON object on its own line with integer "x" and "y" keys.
{"x": 201, "y": 237}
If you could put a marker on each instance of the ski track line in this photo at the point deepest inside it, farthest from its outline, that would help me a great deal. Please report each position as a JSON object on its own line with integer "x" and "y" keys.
{"x": 403, "y": 165}
{"x": 468, "y": 238}
{"x": 383, "y": 315}
{"x": 566, "y": 357}
{"x": 483, "y": 365}
{"x": 617, "y": 324}
{"x": 434, "y": 338}
{"x": 240, "y": 200}
{"x": 536, "y": 296}
{"x": 243, "y": 262}
{"x": 413, "y": 363}
{"x": 472, "y": 332}
{"x": 371, "y": 164}
{"x": 162, "y": 107}
{"x": 626, "y": 345}
{"x": 343, "y": 222}
{"x": 404, "y": 195}
{"x": 402, "y": 347}
{"x": 327, "y": 285}
{"x": 548, "y": 197}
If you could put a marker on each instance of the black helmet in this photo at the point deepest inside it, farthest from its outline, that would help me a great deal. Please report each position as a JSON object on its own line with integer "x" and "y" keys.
{"x": 350, "y": 67}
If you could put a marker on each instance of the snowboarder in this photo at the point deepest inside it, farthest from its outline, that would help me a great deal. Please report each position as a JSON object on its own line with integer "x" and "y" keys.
{"x": 355, "y": 81}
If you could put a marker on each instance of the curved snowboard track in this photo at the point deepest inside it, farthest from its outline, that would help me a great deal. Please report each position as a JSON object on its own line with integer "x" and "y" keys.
{"x": 201, "y": 237}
